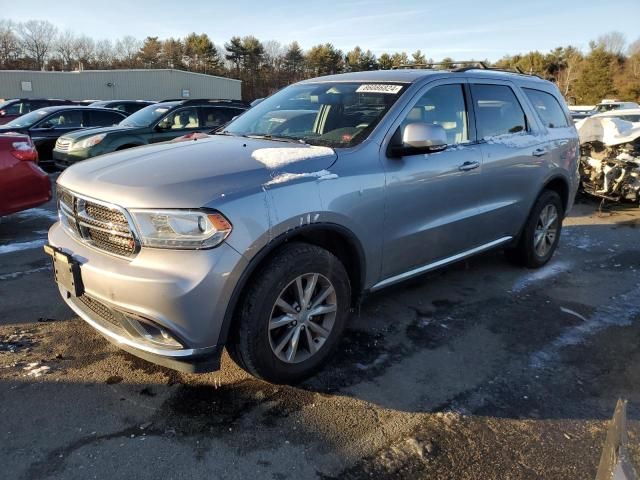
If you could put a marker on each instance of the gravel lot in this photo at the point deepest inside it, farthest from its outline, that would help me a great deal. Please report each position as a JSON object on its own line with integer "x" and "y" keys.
{"x": 481, "y": 370}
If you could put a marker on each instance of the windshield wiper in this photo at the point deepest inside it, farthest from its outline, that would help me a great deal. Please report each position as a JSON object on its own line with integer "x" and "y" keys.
{"x": 275, "y": 138}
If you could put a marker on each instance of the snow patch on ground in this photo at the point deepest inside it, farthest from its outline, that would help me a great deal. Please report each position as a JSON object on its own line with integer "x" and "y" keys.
{"x": 545, "y": 273}
{"x": 514, "y": 140}
{"x": 14, "y": 275}
{"x": 16, "y": 247}
{"x": 621, "y": 311}
{"x": 38, "y": 213}
{"x": 273, "y": 158}
{"x": 288, "y": 177}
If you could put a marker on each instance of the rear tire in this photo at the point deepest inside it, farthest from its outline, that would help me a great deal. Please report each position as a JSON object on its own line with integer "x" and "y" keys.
{"x": 292, "y": 315}
{"x": 541, "y": 234}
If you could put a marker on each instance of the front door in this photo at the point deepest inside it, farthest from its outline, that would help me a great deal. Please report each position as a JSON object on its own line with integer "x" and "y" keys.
{"x": 434, "y": 200}
{"x": 47, "y": 131}
{"x": 177, "y": 123}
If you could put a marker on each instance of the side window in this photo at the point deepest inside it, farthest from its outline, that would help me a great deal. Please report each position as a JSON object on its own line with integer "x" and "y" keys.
{"x": 217, "y": 116}
{"x": 186, "y": 118}
{"x": 103, "y": 119}
{"x": 133, "y": 107}
{"x": 548, "y": 108}
{"x": 64, "y": 119}
{"x": 35, "y": 105}
{"x": 14, "y": 109}
{"x": 497, "y": 110}
{"x": 445, "y": 106}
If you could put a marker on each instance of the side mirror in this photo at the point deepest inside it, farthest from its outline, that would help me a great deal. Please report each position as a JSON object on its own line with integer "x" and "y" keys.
{"x": 420, "y": 138}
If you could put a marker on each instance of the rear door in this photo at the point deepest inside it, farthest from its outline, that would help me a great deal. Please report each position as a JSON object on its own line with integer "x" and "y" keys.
{"x": 514, "y": 153}
{"x": 215, "y": 117}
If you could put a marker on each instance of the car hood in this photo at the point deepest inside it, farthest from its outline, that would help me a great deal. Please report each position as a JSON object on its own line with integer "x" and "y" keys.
{"x": 193, "y": 174}
{"x": 89, "y": 132}
{"x": 608, "y": 130}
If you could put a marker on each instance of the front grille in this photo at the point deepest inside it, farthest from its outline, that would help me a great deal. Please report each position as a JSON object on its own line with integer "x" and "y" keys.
{"x": 98, "y": 224}
{"x": 63, "y": 144}
{"x": 101, "y": 310}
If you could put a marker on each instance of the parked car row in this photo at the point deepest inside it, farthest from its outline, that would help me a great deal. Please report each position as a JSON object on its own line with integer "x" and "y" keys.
{"x": 16, "y": 107}
{"x": 79, "y": 132}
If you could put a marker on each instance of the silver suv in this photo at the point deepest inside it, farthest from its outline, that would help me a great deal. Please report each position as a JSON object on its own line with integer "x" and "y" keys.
{"x": 262, "y": 237}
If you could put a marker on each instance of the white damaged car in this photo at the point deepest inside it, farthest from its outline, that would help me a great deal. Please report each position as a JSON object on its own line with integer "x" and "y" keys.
{"x": 610, "y": 155}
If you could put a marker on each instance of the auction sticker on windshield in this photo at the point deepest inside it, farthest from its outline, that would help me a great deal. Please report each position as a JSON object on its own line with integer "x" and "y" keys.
{"x": 379, "y": 88}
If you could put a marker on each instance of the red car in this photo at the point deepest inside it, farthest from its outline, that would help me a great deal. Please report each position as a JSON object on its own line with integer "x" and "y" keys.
{"x": 23, "y": 184}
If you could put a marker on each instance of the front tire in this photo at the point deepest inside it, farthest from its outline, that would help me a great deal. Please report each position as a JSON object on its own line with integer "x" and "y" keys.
{"x": 292, "y": 315}
{"x": 541, "y": 233}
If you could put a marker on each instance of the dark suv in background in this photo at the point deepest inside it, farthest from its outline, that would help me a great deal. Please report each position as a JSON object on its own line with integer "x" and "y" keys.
{"x": 11, "y": 109}
{"x": 45, "y": 125}
{"x": 156, "y": 123}
{"x": 126, "y": 106}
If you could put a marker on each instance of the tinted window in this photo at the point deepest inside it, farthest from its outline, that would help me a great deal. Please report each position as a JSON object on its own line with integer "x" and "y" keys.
{"x": 17, "y": 108}
{"x": 217, "y": 116}
{"x": 133, "y": 107}
{"x": 103, "y": 119}
{"x": 63, "y": 119}
{"x": 498, "y": 111}
{"x": 548, "y": 108}
{"x": 183, "y": 119}
{"x": 444, "y": 106}
{"x": 147, "y": 116}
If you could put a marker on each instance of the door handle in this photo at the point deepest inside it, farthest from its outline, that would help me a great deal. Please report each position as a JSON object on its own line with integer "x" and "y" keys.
{"x": 538, "y": 152}
{"x": 466, "y": 166}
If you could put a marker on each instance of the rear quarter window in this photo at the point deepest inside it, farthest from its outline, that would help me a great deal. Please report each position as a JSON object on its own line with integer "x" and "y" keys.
{"x": 498, "y": 111}
{"x": 547, "y": 107}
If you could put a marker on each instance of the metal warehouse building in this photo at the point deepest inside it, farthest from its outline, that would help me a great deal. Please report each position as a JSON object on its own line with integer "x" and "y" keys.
{"x": 116, "y": 84}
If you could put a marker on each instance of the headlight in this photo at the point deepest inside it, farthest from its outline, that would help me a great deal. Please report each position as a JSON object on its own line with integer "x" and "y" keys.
{"x": 181, "y": 229}
{"x": 88, "y": 142}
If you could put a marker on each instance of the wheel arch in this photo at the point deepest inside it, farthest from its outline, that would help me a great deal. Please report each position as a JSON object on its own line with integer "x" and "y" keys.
{"x": 337, "y": 239}
{"x": 560, "y": 185}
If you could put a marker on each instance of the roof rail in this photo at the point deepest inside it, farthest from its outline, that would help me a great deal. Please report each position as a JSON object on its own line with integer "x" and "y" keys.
{"x": 201, "y": 101}
{"x": 430, "y": 65}
{"x": 466, "y": 65}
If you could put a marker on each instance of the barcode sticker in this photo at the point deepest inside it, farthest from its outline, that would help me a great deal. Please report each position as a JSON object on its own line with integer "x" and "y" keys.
{"x": 379, "y": 88}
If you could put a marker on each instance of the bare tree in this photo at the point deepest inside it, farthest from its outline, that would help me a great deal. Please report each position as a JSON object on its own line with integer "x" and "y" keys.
{"x": 64, "y": 46}
{"x": 9, "y": 44}
{"x": 104, "y": 54}
{"x": 127, "y": 49}
{"x": 612, "y": 42}
{"x": 36, "y": 38}
{"x": 84, "y": 48}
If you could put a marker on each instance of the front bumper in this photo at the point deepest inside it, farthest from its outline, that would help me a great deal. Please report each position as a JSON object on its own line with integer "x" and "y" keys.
{"x": 64, "y": 159}
{"x": 184, "y": 293}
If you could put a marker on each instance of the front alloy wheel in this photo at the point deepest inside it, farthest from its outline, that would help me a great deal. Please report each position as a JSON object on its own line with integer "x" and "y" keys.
{"x": 292, "y": 314}
{"x": 302, "y": 318}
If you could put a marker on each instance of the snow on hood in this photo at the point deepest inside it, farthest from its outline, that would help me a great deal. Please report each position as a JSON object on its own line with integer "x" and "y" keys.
{"x": 274, "y": 158}
{"x": 608, "y": 130}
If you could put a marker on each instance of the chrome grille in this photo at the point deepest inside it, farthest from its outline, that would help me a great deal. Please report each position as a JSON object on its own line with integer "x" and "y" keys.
{"x": 99, "y": 224}
{"x": 63, "y": 144}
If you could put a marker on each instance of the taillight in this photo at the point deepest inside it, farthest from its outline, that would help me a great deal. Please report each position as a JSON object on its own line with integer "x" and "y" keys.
{"x": 3, "y": 113}
{"x": 25, "y": 151}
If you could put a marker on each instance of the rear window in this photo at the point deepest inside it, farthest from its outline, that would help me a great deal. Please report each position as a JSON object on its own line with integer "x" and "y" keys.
{"x": 548, "y": 108}
{"x": 498, "y": 111}
{"x": 104, "y": 119}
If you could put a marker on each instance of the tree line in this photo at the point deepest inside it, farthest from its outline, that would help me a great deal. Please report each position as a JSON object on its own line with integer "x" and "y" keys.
{"x": 609, "y": 68}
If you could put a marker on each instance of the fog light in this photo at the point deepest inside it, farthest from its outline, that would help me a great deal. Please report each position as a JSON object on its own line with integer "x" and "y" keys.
{"x": 153, "y": 333}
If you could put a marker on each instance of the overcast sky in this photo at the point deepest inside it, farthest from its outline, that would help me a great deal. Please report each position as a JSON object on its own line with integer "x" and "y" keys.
{"x": 460, "y": 29}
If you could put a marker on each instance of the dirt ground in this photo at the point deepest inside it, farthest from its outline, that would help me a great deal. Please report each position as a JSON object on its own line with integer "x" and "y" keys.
{"x": 478, "y": 371}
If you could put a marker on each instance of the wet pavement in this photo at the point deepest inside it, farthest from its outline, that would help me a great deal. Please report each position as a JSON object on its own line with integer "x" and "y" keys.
{"x": 481, "y": 370}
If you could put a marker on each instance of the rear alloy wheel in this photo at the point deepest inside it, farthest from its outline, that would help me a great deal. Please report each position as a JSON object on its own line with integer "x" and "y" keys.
{"x": 541, "y": 234}
{"x": 292, "y": 314}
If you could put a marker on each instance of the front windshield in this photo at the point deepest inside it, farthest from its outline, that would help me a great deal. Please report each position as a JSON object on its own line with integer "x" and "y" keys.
{"x": 28, "y": 119}
{"x": 330, "y": 113}
{"x": 146, "y": 116}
